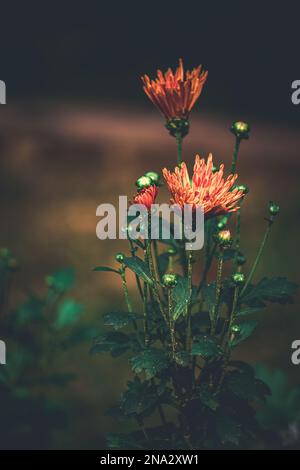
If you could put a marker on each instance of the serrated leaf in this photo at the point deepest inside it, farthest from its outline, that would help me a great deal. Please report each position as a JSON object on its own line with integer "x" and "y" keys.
{"x": 246, "y": 330}
{"x": 151, "y": 361}
{"x": 244, "y": 385}
{"x": 180, "y": 297}
{"x": 68, "y": 312}
{"x": 106, "y": 269}
{"x": 119, "y": 319}
{"x": 208, "y": 399}
{"x": 138, "y": 398}
{"x": 206, "y": 346}
{"x": 114, "y": 342}
{"x": 140, "y": 268}
{"x": 277, "y": 289}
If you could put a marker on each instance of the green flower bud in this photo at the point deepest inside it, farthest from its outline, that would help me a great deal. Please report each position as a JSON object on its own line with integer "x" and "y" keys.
{"x": 222, "y": 223}
{"x": 155, "y": 177}
{"x": 169, "y": 280}
{"x": 224, "y": 238}
{"x": 238, "y": 279}
{"x": 242, "y": 187}
{"x": 240, "y": 259}
{"x": 120, "y": 257}
{"x": 240, "y": 129}
{"x": 214, "y": 169}
{"x": 178, "y": 126}
{"x": 172, "y": 251}
{"x": 273, "y": 208}
{"x": 143, "y": 182}
{"x": 236, "y": 329}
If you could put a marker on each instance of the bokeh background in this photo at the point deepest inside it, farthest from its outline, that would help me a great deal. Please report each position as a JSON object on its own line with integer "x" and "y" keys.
{"x": 77, "y": 131}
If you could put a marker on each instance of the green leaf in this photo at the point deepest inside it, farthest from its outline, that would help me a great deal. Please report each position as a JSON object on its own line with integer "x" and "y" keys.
{"x": 138, "y": 398}
{"x": 119, "y": 319}
{"x": 61, "y": 280}
{"x": 208, "y": 399}
{"x": 151, "y": 361}
{"x": 180, "y": 297}
{"x": 140, "y": 268}
{"x": 114, "y": 342}
{"x": 228, "y": 429}
{"x": 247, "y": 311}
{"x": 206, "y": 346}
{"x": 106, "y": 269}
{"x": 244, "y": 385}
{"x": 277, "y": 289}
{"x": 68, "y": 312}
{"x": 247, "y": 328}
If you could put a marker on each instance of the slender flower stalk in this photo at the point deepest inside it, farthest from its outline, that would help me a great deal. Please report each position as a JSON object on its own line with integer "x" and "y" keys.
{"x": 179, "y": 149}
{"x": 215, "y": 309}
{"x": 258, "y": 256}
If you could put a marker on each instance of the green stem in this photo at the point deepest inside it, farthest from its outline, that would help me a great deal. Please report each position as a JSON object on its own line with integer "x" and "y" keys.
{"x": 235, "y": 155}
{"x": 189, "y": 310}
{"x": 138, "y": 282}
{"x": 218, "y": 292}
{"x": 171, "y": 322}
{"x": 153, "y": 275}
{"x": 261, "y": 248}
{"x": 237, "y": 236}
{"x": 179, "y": 149}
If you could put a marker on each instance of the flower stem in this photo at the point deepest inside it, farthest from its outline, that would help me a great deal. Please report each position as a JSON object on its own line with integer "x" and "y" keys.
{"x": 189, "y": 311}
{"x": 218, "y": 292}
{"x": 259, "y": 253}
{"x": 125, "y": 290}
{"x": 171, "y": 322}
{"x": 235, "y": 154}
{"x": 179, "y": 148}
{"x": 152, "y": 271}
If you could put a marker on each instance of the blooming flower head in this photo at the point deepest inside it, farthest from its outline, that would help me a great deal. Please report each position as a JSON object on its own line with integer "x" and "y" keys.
{"x": 146, "y": 196}
{"x": 175, "y": 94}
{"x": 207, "y": 189}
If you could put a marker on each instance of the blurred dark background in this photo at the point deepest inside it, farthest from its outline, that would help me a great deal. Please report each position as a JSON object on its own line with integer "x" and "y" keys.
{"x": 77, "y": 131}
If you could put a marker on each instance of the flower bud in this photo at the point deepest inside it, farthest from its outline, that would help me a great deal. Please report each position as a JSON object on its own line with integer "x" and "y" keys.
{"x": 169, "y": 280}
{"x": 222, "y": 223}
{"x": 120, "y": 257}
{"x": 273, "y": 208}
{"x": 224, "y": 238}
{"x": 238, "y": 279}
{"x": 242, "y": 187}
{"x": 214, "y": 168}
{"x": 240, "y": 259}
{"x": 172, "y": 251}
{"x": 178, "y": 126}
{"x": 155, "y": 177}
{"x": 240, "y": 129}
{"x": 236, "y": 329}
{"x": 143, "y": 182}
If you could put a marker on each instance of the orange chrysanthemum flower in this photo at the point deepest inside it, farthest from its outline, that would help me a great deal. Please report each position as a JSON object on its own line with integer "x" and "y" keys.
{"x": 206, "y": 188}
{"x": 146, "y": 196}
{"x": 175, "y": 94}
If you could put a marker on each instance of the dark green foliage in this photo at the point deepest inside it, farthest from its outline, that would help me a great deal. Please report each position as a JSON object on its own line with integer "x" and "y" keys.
{"x": 151, "y": 361}
{"x": 139, "y": 267}
{"x": 119, "y": 319}
{"x": 206, "y": 347}
{"x": 277, "y": 289}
